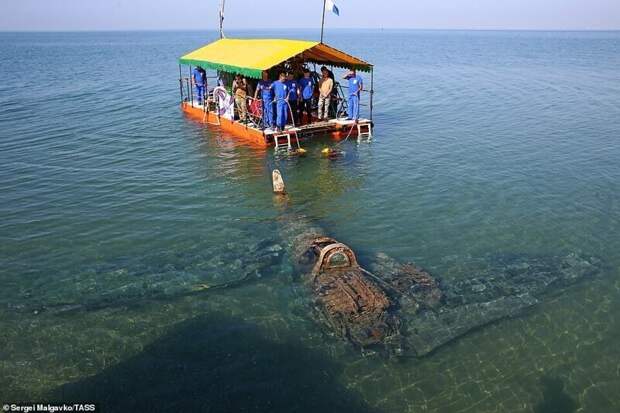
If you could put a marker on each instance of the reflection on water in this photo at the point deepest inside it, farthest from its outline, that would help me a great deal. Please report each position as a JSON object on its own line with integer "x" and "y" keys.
{"x": 120, "y": 217}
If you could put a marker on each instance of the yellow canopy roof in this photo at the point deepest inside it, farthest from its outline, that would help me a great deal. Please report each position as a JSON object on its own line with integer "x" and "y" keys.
{"x": 251, "y": 56}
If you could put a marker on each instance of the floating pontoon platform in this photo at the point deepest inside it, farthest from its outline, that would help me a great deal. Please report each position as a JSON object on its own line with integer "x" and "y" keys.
{"x": 335, "y": 128}
{"x": 254, "y": 57}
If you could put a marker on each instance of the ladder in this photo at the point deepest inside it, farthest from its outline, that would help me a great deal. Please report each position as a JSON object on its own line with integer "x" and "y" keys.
{"x": 364, "y": 132}
{"x": 284, "y": 141}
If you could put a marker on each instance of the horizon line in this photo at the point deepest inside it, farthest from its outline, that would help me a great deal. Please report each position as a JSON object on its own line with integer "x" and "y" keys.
{"x": 309, "y": 29}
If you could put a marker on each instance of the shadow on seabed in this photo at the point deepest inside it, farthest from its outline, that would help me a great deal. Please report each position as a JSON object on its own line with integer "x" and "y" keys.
{"x": 216, "y": 363}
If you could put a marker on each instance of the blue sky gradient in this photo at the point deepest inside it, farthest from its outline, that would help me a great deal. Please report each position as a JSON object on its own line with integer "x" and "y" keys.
{"x": 202, "y": 14}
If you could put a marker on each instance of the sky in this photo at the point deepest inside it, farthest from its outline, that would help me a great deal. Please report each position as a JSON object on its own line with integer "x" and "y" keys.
{"x": 69, "y": 15}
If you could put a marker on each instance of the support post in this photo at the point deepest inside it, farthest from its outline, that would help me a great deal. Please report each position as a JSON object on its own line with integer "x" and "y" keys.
{"x": 191, "y": 89}
{"x": 188, "y": 87}
{"x": 181, "y": 83}
{"x": 372, "y": 91}
{"x": 323, "y": 20}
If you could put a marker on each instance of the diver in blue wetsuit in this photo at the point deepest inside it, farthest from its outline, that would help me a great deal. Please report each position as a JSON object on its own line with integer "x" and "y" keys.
{"x": 266, "y": 94}
{"x": 356, "y": 85}
{"x": 281, "y": 92}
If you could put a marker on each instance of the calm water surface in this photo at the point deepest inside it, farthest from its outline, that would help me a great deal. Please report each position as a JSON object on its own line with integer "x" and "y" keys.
{"x": 486, "y": 143}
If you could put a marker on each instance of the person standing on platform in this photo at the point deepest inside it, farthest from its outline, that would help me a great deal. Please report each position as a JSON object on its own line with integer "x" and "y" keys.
{"x": 281, "y": 92}
{"x": 356, "y": 85}
{"x": 199, "y": 76}
{"x": 240, "y": 92}
{"x": 333, "y": 103}
{"x": 265, "y": 87}
{"x": 293, "y": 97}
{"x": 306, "y": 86}
{"x": 326, "y": 85}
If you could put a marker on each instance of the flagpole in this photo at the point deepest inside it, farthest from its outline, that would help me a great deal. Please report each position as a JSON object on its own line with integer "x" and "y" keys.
{"x": 222, "y": 4}
{"x": 323, "y": 20}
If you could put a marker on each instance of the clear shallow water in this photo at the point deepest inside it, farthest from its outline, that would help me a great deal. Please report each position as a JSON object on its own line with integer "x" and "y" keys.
{"x": 505, "y": 143}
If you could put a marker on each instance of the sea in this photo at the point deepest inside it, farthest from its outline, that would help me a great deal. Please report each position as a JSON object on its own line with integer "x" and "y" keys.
{"x": 142, "y": 264}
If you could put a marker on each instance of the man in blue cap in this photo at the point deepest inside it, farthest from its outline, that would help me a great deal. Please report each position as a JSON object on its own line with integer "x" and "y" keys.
{"x": 306, "y": 85}
{"x": 356, "y": 85}
{"x": 266, "y": 94}
{"x": 200, "y": 80}
{"x": 293, "y": 96}
{"x": 281, "y": 92}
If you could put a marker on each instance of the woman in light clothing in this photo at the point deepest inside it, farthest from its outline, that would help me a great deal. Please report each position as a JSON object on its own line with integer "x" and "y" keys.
{"x": 326, "y": 84}
{"x": 240, "y": 91}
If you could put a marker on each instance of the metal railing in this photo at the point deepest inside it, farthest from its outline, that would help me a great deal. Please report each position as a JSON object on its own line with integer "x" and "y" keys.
{"x": 210, "y": 103}
{"x": 186, "y": 87}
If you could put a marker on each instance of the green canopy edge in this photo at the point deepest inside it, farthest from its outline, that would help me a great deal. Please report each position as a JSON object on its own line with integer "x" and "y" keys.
{"x": 253, "y": 73}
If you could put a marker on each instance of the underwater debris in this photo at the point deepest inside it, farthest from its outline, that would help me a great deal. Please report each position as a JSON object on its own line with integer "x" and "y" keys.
{"x": 147, "y": 282}
{"x": 351, "y": 303}
{"x": 406, "y": 310}
{"x": 278, "y": 182}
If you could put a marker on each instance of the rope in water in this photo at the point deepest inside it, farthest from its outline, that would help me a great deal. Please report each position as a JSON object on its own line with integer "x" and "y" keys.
{"x": 348, "y": 134}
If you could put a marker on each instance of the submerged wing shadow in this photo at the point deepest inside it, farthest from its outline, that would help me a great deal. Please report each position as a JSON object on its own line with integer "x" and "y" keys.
{"x": 216, "y": 363}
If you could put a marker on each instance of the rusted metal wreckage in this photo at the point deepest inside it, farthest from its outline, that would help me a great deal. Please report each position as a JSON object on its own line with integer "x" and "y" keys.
{"x": 401, "y": 308}
{"x": 351, "y": 303}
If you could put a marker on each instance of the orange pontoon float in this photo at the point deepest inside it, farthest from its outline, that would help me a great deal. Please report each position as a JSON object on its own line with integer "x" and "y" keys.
{"x": 252, "y": 57}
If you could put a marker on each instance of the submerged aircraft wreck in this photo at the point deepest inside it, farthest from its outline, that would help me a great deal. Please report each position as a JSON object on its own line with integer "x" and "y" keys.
{"x": 404, "y": 310}
{"x": 382, "y": 304}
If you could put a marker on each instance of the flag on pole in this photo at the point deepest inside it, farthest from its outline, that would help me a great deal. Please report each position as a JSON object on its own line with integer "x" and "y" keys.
{"x": 330, "y": 5}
